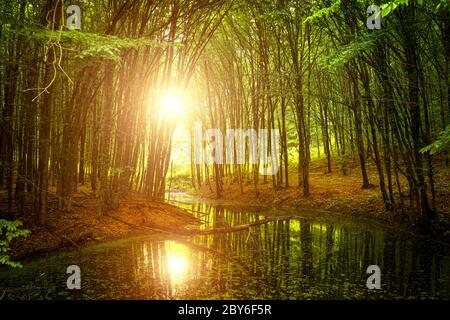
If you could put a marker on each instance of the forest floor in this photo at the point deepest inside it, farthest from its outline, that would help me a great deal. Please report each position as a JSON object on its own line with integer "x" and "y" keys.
{"x": 334, "y": 192}
{"x": 135, "y": 215}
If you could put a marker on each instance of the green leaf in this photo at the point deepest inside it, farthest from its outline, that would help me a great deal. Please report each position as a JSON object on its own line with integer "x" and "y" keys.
{"x": 324, "y": 12}
{"x": 441, "y": 144}
{"x": 87, "y": 44}
{"x": 9, "y": 230}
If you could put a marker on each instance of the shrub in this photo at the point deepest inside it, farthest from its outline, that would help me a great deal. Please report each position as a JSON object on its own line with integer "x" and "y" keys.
{"x": 9, "y": 230}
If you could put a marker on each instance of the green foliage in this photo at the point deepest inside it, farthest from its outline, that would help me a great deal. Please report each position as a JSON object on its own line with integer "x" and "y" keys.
{"x": 441, "y": 144}
{"x": 387, "y": 8}
{"x": 9, "y": 230}
{"x": 86, "y": 44}
{"x": 345, "y": 54}
{"x": 324, "y": 12}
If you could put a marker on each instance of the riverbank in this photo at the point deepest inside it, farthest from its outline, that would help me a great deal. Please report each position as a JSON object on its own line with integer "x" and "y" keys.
{"x": 134, "y": 215}
{"x": 334, "y": 192}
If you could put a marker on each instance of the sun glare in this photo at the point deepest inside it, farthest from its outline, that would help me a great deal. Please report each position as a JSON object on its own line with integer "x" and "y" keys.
{"x": 173, "y": 103}
{"x": 177, "y": 261}
{"x": 177, "y": 266}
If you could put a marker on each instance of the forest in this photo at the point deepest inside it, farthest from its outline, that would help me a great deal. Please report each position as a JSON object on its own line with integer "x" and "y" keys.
{"x": 213, "y": 125}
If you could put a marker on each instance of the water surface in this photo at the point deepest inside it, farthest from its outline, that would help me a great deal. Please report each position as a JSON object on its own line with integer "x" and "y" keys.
{"x": 304, "y": 258}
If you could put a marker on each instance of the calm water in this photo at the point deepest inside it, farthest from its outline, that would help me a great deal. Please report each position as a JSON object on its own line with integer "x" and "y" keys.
{"x": 302, "y": 258}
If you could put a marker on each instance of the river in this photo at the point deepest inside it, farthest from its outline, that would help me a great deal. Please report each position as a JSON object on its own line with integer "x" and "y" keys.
{"x": 312, "y": 256}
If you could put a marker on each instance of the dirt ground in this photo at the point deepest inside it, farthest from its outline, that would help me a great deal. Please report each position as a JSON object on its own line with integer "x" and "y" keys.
{"x": 135, "y": 215}
{"x": 334, "y": 192}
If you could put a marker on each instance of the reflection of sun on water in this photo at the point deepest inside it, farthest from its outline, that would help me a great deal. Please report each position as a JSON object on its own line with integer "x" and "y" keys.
{"x": 177, "y": 261}
{"x": 177, "y": 267}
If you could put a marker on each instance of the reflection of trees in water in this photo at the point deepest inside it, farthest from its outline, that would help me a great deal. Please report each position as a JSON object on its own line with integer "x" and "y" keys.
{"x": 150, "y": 270}
{"x": 279, "y": 261}
{"x": 423, "y": 257}
{"x": 306, "y": 258}
{"x": 294, "y": 259}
